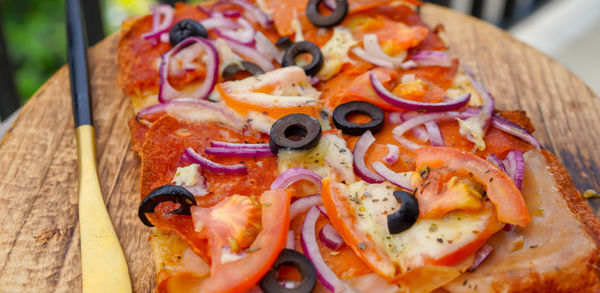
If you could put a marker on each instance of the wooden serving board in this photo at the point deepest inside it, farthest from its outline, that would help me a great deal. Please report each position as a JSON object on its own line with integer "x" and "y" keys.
{"x": 39, "y": 243}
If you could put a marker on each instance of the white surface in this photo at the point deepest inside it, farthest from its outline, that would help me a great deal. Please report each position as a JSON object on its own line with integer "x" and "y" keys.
{"x": 568, "y": 31}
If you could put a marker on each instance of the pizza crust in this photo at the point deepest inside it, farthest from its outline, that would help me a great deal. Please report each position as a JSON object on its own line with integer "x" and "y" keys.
{"x": 580, "y": 275}
{"x": 556, "y": 252}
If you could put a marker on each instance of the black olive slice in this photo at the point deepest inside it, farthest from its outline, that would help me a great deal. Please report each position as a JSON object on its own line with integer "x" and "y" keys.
{"x": 334, "y": 18}
{"x": 270, "y": 283}
{"x": 295, "y": 49}
{"x": 407, "y": 215}
{"x": 284, "y": 43}
{"x": 172, "y": 193}
{"x": 295, "y": 131}
{"x": 184, "y": 29}
{"x": 230, "y": 70}
{"x": 341, "y": 112}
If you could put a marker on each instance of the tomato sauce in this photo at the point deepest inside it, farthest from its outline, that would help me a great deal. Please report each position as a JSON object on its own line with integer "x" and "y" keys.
{"x": 139, "y": 59}
{"x": 167, "y": 140}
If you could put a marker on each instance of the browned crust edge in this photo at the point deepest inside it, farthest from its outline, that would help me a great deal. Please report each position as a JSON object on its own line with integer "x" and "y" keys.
{"x": 583, "y": 278}
{"x": 577, "y": 204}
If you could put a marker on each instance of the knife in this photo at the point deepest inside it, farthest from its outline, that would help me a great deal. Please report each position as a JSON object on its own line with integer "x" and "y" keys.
{"x": 103, "y": 266}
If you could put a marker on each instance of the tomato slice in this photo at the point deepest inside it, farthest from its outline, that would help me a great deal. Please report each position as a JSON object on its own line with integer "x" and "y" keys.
{"x": 338, "y": 205}
{"x": 429, "y": 242}
{"x": 442, "y": 190}
{"x": 501, "y": 191}
{"x": 234, "y": 221}
{"x": 240, "y": 275}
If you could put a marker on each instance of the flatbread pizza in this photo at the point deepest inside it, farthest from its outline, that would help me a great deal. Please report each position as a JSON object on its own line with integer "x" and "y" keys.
{"x": 314, "y": 146}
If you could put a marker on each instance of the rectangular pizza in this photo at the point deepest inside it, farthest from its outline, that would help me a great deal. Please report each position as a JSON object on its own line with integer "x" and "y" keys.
{"x": 337, "y": 146}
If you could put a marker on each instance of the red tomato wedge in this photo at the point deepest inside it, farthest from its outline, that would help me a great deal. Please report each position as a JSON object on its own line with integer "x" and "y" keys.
{"x": 502, "y": 192}
{"x": 429, "y": 242}
{"x": 338, "y": 205}
{"x": 234, "y": 221}
{"x": 240, "y": 275}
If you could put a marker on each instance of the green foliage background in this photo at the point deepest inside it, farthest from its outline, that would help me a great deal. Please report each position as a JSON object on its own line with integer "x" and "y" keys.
{"x": 34, "y": 32}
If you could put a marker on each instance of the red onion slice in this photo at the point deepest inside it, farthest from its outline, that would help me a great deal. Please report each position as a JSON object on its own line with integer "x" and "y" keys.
{"x": 252, "y": 55}
{"x": 421, "y": 119}
{"x": 488, "y": 100}
{"x": 435, "y": 135}
{"x": 496, "y": 121}
{"x": 213, "y": 166}
{"x": 372, "y": 48}
{"x": 492, "y": 158}
{"x": 515, "y": 166}
{"x": 254, "y": 13}
{"x": 331, "y": 238}
{"x": 211, "y": 58}
{"x": 360, "y": 150}
{"x": 482, "y": 120}
{"x": 420, "y": 133}
{"x": 395, "y": 118}
{"x": 360, "y": 53}
{"x": 224, "y": 144}
{"x": 232, "y": 13}
{"x": 480, "y": 256}
{"x": 291, "y": 176}
{"x": 266, "y": 48}
{"x": 216, "y": 21}
{"x": 392, "y": 155}
{"x": 302, "y": 204}
{"x": 516, "y": 130}
{"x": 402, "y": 180}
{"x": 239, "y": 152}
{"x": 407, "y": 143}
{"x": 290, "y": 242}
{"x": 314, "y": 80}
{"x": 189, "y": 109}
{"x": 311, "y": 249}
{"x": 432, "y": 58}
{"x": 323, "y": 211}
{"x": 159, "y": 27}
{"x": 410, "y": 64}
{"x": 244, "y": 35}
{"x": 406, "y": 104}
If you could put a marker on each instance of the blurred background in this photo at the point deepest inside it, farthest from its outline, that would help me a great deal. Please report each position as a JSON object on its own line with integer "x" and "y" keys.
{"x": 32, "y": 35}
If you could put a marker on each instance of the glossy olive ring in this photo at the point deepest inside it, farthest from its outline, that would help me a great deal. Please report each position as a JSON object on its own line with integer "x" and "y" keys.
{"x": 295, "y": 49}
{"x": 341, "y": 113}
{"x": 232, "y": 69}
{"x": 184, "y": 29}
{"x": 296, "y": 132}
{"x": 334, "y": 18}
{"x": 406, "y": 216}
{"x": 165, "y": 193}
{"x": 270, "y": 283}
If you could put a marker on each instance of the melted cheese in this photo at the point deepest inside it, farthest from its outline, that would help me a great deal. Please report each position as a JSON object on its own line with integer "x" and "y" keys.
{"x": 427, "y": 238}
{"x": 330, "y": 158}
{"x": 335, "y": 52}
{"x": 460, "y": 86}
{"x": 190, "y": 178}
{"x": 284, "y": 87}
{"x": 187, "y": 176}
{"x": 552, "y": 240}
{"x": 226, "y": 55}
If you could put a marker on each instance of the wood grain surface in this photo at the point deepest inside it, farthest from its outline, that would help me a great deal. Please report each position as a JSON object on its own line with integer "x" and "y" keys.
{"x": 39, "y": 243}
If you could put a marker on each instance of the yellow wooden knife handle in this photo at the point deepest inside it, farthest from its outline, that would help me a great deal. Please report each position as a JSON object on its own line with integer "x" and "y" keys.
{"x": 103, "y": 264}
